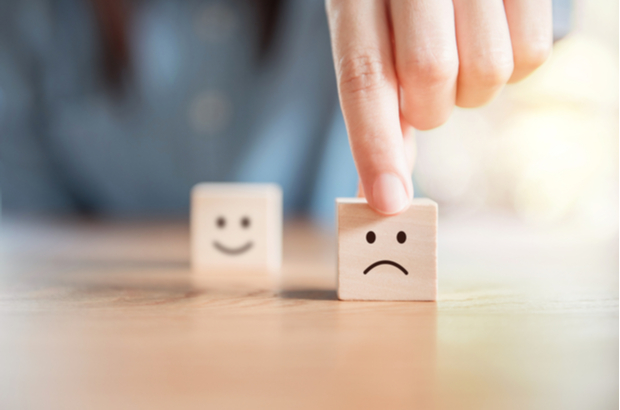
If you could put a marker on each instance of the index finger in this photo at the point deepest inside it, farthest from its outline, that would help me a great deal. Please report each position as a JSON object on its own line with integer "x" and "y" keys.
{"x": 368, "y": 91}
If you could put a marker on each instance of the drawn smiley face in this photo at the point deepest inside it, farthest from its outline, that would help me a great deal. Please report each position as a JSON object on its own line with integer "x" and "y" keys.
{"x": 236, "y": 227}
{"x": 221, "y": 224}
{"x": 401, "y": 238}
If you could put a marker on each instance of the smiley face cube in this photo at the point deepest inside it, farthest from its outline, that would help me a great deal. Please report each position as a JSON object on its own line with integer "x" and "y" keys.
{"x": 236, "y": 227}
{"x": 387, "y": 257}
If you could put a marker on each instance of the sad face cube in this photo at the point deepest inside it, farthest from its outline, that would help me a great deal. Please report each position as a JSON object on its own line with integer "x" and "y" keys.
{"x": 236, "y": 227}
{"x": 387, "y": 257}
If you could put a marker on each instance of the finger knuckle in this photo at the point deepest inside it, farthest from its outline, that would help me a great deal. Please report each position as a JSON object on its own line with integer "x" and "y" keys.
{"x": 429, "y": 70}
{"x": 531, "y": 56}
{"x": 428, "y": 122}
{"x": 490, "y": 72}
{"x": 361, "y": 72}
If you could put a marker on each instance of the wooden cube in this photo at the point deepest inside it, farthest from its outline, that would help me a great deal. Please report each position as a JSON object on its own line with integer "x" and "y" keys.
{"x": 236, "y": 227}
{"x": 387, "y": 257}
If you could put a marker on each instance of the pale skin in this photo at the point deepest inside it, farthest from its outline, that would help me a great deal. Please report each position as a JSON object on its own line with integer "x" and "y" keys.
{"x": 404, "y": 64}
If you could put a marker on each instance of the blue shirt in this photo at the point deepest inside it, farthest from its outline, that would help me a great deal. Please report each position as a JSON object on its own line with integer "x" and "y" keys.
{"x": 198, "y": 106}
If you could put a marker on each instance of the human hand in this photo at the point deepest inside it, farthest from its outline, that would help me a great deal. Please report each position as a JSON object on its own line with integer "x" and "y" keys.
{"x": 404, "y": 64}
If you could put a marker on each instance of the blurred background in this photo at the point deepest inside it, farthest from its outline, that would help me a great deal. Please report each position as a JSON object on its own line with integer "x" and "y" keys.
{"x": 113, "y": 109}
{"x": 547, "y": 149}
{"x": 117, "y": 108}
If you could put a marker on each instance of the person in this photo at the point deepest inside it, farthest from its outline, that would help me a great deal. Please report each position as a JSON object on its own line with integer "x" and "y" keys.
{"x": 118, "y": 107}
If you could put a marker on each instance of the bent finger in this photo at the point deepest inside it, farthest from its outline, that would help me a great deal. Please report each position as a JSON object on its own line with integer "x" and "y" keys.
{"x": 485, "y": 51}
{"x": 531, "y": 31}
{"x": 427, "y": 61}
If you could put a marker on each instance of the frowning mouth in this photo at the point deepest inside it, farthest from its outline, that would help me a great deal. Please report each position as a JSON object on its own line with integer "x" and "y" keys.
{"x": 232, "y": 251}
{"x": 385, "y": 262}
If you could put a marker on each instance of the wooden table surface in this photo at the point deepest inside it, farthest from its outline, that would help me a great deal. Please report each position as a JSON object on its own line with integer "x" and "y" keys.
{"x": 106, "y": 315}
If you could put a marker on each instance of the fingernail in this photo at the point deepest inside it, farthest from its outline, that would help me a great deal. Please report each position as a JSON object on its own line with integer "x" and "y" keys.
{"x": 389, "y": 195}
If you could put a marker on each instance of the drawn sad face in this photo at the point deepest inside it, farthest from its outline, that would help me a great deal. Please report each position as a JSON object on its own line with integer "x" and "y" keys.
{"x": 371, "y": 238}
{"x": 387, "y": 258}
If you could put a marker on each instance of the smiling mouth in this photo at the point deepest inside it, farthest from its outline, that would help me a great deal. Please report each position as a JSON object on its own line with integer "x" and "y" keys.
{"x": 232, "y": 251}
{"x": 385, "y": 262}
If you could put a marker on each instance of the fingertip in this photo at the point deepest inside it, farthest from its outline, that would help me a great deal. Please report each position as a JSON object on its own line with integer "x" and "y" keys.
{"x": 389, "y": 195}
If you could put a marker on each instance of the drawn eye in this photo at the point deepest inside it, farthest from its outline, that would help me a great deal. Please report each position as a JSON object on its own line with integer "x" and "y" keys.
{"x": 371, "y": 237}
{"x": 245, "y": 222}
{"x": 221, "y": 222}
{"x": 401, "y": 237}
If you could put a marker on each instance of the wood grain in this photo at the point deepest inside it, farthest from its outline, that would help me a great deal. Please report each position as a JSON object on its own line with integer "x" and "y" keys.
{"x": 102, "y": 315}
